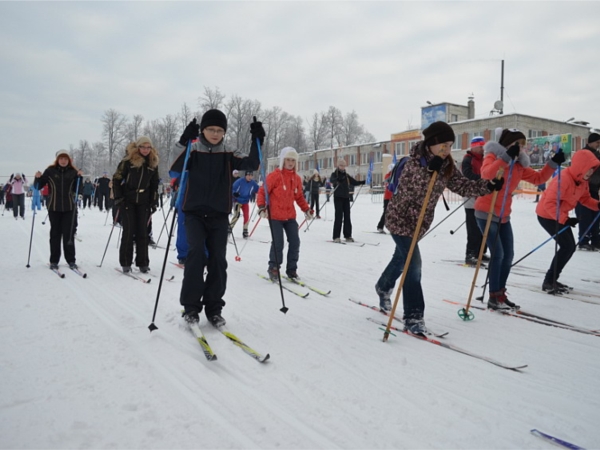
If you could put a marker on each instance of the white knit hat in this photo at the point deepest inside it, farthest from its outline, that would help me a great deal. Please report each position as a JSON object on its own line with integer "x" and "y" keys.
{"x": 287, "y": 152}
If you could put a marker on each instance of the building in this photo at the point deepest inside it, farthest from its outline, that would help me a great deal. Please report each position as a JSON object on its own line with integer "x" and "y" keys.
{"x": 570, "y": 135}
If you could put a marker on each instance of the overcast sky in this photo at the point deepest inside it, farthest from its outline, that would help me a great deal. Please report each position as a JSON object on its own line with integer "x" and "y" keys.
{"x": 63, "y": 64}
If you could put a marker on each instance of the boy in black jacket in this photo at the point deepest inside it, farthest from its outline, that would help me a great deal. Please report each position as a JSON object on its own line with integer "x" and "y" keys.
{"x": 206, "y": 201}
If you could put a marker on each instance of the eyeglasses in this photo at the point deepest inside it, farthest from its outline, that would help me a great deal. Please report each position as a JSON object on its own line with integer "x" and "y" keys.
{"x": 217, "y": 131}
{"x": 145, "y": 147}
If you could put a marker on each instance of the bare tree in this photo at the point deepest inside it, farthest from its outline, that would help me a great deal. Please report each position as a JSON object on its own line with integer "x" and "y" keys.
{"x": 212, "y": 99}
{"x": 134, "y": 128}
{"x": 318, "y": 132}
{"x": 334, "y": 120}
{"x": 169, "y": 136}
{"x": 185, "y": 116}
{"x": 115, "y": 126}
{"x": 84, "y": 150}
{"x": 351, "y": 129}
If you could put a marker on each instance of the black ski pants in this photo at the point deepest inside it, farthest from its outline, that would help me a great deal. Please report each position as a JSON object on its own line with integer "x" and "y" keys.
{"x": 102, "y": 198}
{"x": 60, "y": 228}
{"x": 474, "y": 236}
{"x": 566, "y": 247}
{"x": 342, "y": 214}
{"x": 134, "y": 219}
{"x": 207, "y": 240}
{"x": 381, "y": 223}
{"x": 314, "y": 200}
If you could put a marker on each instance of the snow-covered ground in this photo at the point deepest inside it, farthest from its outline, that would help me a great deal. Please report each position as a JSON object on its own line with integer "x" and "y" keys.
{"x": 80, "y": 368}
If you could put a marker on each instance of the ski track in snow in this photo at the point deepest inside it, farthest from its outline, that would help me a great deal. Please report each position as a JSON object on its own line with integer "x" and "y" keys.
{"x": 81, "y": 369}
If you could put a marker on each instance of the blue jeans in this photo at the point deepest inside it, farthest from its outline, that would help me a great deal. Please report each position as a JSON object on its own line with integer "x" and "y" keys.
{"x": 276, "y": 253}
{"x": 502, "y": 255}
{"x": 412, "y": 292}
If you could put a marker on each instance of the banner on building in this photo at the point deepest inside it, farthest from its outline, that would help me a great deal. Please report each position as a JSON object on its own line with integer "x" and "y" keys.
{"x": 541, "y": 149}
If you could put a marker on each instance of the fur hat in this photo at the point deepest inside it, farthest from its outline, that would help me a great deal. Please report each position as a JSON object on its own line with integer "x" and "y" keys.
{"x": 315, "y": 172}
{"x": 510, "y": 136}
{"x": 438, "y": 133}
{"x": 594, "y": 137}
{"x": 477, "y": 141}
{"x": 213, "y": 118}
{"x": 287, "y": 152}
{"x": 17, "y": 175}
{"x": 143, "y": 140}
{"x": 235, "y": 173}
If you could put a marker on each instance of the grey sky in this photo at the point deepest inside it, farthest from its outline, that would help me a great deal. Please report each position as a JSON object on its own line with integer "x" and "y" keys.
{"x": 62, "y": 64}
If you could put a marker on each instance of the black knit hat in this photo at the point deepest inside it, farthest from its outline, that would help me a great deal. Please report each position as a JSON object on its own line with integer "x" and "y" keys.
{"x": 438, "y": 133}
{"x": 594, "y": 137}
{"x": 249, "y": 172}
{"x": 510, "y": 136}
{"x": 213, "y": 118}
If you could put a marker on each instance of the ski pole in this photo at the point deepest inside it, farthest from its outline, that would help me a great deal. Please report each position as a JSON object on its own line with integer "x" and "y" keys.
{"x": 444, "y": 219}
{"x": 555, "y": 268}
{"x": 74, "y": 213}
{"x": 356, "y": 196}
{"x": 110, "y": 235}
{"x": 493, "y": 247}
{"x": 322, "y": 209}
{"x": 454, "y": 231}
{"x": 588, "y": 229}
{"x": 566, "y": 227}
{"x": 30, "y": 240}
{"x": 413, "y": 244}
{"x": 283, "y": 309}
{"x": 106, "y": 218}
{"x": 237, "y": 254}
{"x": 44, "y": 221}
{"x": 164, "y": 226}
{"x": 152, "y": 326}
{"x": 464, "y": 313}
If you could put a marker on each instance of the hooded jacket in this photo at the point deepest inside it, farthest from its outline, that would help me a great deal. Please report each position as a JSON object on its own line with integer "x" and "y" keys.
{"x": 284, "y": 187}
{"x": 405, "y": 206}
{"x": 207, "y": 188}
{"x": 573, "y": 189}
{"x": 496, "y": 158}
{"x": 341, "y": 181}
{"x": 136, "y": 178}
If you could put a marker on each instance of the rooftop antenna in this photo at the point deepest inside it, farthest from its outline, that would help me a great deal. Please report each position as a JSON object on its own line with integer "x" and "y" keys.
{"x": 500, "y": 109}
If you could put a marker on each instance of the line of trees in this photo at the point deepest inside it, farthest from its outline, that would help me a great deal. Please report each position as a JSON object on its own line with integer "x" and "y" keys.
{"x": 324, "y": 130}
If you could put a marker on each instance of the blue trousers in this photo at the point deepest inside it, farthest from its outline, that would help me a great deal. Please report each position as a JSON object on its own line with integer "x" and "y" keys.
{"x": 412, "y": 292}
{"x": 276, "y": 253}
{"x": 503, "y": 252}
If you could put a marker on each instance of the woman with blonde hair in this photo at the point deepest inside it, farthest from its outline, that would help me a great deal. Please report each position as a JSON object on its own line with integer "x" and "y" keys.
{"x": 135, "y": 188}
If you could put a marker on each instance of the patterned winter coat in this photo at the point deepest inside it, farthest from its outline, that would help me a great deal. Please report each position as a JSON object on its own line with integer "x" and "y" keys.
{"x": 285, "y": 188}
{"x": 573, "y": 188}
{"x": 405, "y": 206}
{"x": 495, "y": 158}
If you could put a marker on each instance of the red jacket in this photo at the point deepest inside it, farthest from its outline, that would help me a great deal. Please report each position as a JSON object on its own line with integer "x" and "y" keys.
{"x": 285, "y": 188}
{"x": 494, "y": 159}
{"x": 573, "y": 188}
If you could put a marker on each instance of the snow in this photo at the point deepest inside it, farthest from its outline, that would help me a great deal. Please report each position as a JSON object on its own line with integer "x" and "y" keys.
{"x": 80, "y": 368}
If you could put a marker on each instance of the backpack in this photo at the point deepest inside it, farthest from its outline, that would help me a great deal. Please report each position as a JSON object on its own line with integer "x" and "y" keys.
{"x": 392, "y": 181}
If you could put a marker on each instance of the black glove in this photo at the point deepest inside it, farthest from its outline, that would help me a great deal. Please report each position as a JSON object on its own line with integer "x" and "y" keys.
{"x": 257, "y": 131}
{"x": 572, "y": 221}
{"x": 11, "y": 177}
{"x": 118, "y": 201}
{"x": 559, "y": 158}
{"x": 514, "y": 151}
{"x": 435, "y": 164}
{"x": 236, "y": 194}
{"x": 153, "y": 209}
{"x": 191, "y": 132}
{"x": 495, "y": 185}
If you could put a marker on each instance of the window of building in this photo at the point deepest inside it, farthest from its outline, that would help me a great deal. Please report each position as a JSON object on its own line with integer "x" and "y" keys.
{"x": 377, "y": 157}
{"x": 453, "y": 117}
{"x": 534, "y": 133}
{"x": 352, "y": 160}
